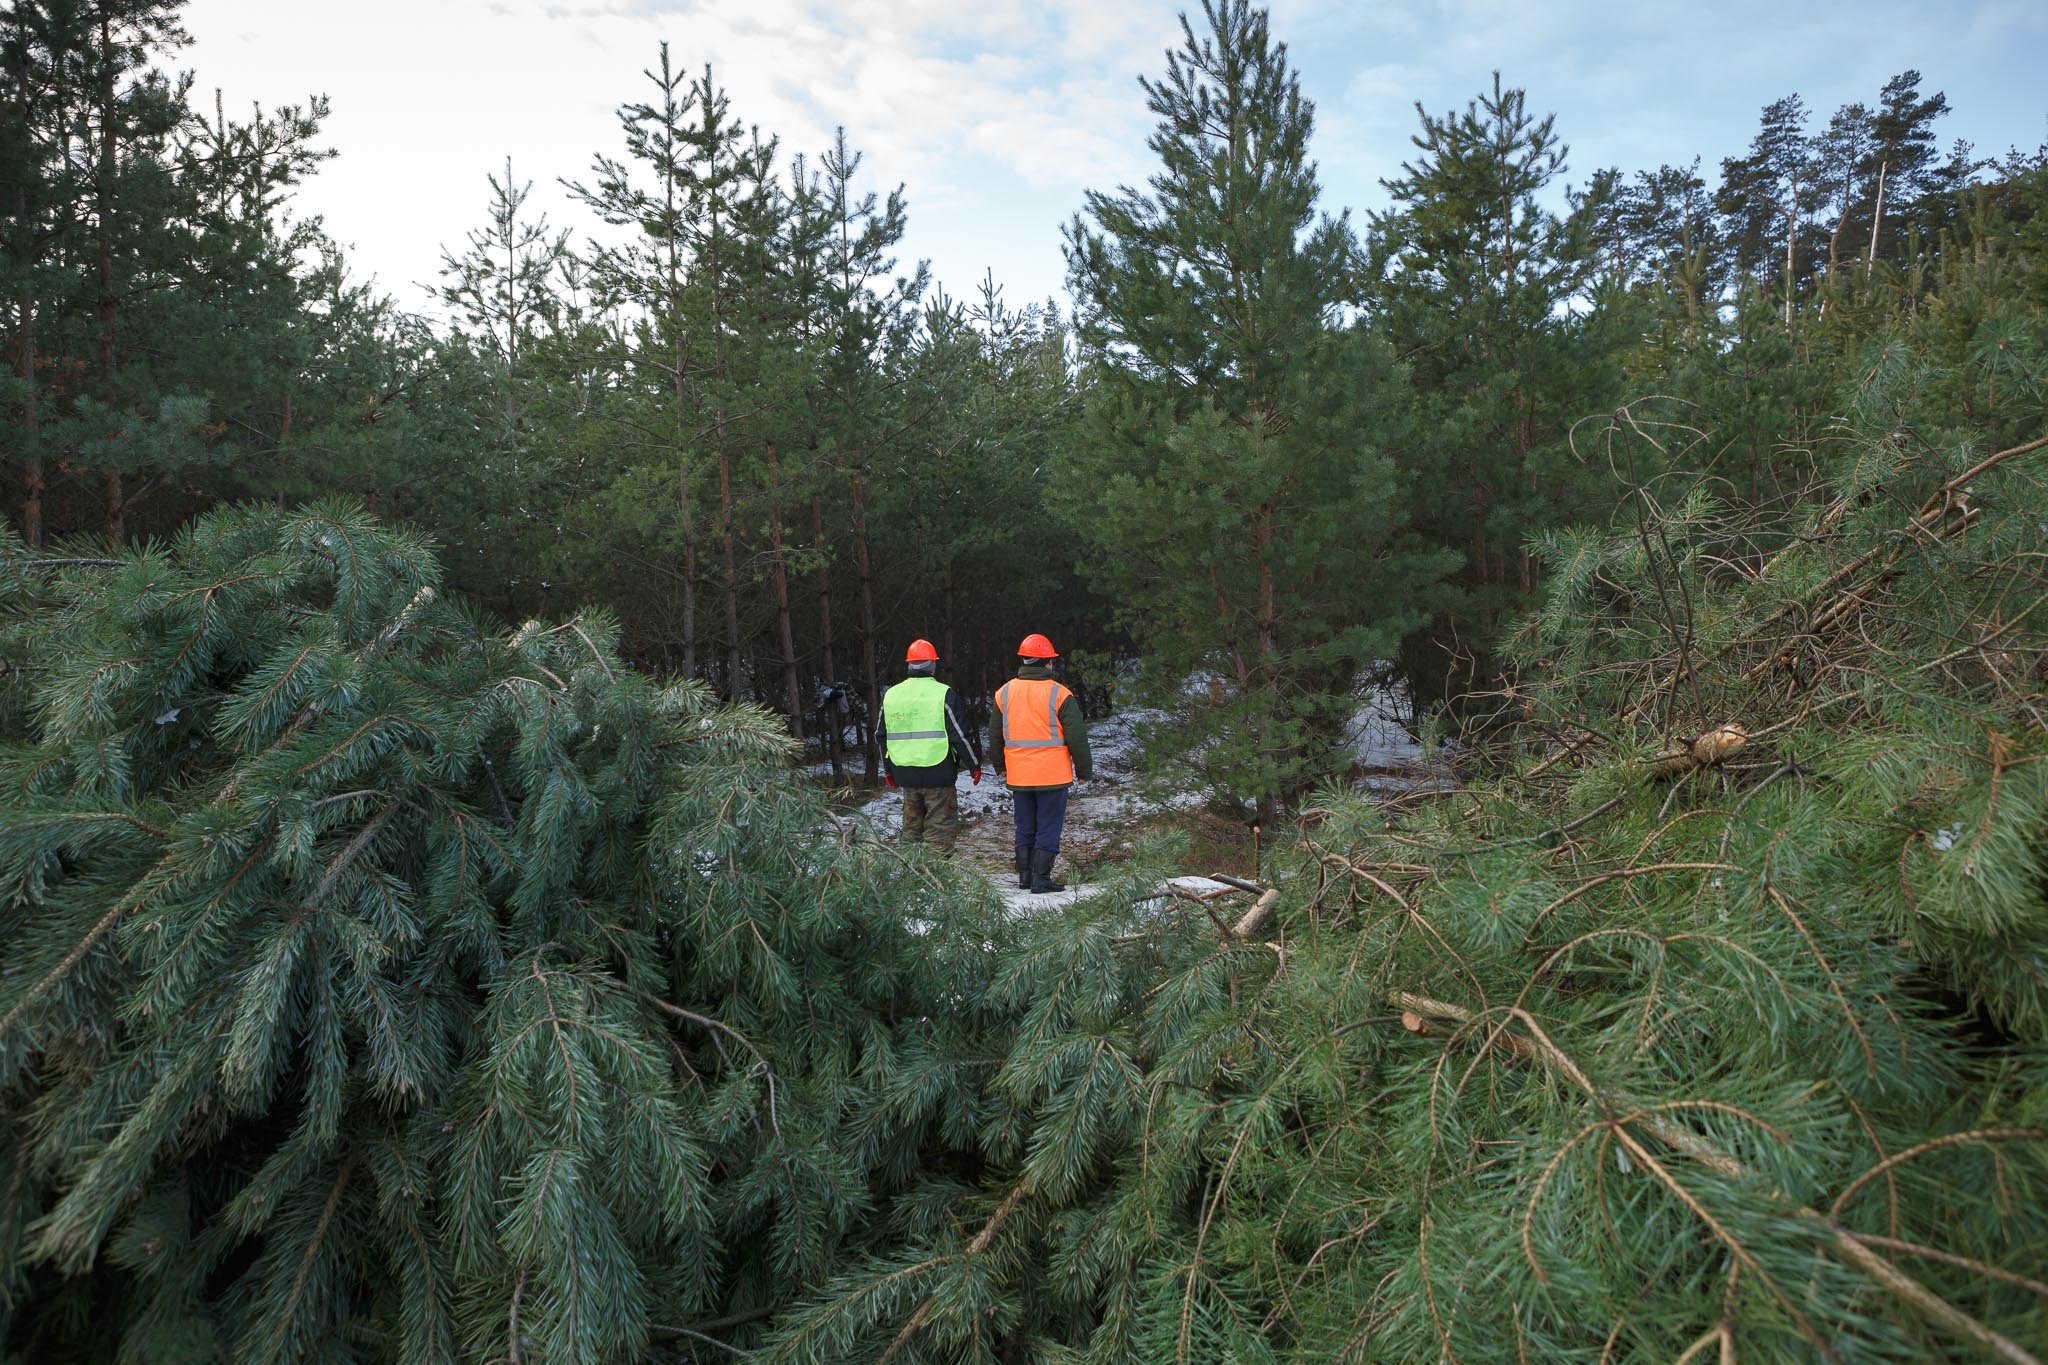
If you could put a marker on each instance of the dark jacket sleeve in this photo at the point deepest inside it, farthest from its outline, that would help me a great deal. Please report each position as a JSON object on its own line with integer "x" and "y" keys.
{"x": 1075, "y": 727}
{"x": 966, "y": 753}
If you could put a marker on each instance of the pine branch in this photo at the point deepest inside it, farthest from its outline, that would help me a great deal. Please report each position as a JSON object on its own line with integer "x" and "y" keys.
{"x": 761, "y": 1060}
{"x": 314, "y": 1245}
{"x": 348, "y": 855}
{"x": 981, "y": 1243}
{"x": 1708, "y": 1154}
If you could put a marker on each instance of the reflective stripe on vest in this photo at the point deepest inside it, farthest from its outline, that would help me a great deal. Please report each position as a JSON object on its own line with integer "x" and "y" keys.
{"x": 1034, "y": 743}
{"x": 914, "y": 723}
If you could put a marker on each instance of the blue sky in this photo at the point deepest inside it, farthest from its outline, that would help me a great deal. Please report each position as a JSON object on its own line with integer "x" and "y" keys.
{"x": 998, "y": 114}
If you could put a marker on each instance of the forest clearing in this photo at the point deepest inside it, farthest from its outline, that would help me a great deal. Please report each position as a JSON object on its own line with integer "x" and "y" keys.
{"x": 1500, "y": 747}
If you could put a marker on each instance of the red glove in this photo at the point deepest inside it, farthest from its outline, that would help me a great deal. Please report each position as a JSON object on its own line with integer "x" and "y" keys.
{"x": 889, "y": 781}
{"x": 977, "y": 777}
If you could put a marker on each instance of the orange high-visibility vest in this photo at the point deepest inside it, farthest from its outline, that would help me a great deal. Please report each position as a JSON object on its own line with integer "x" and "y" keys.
{"x": 1034, "y": 746}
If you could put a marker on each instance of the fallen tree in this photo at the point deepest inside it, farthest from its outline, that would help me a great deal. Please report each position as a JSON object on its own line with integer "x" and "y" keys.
{"x": 377, "y": 984}
{"x": 1711, "y": 1024}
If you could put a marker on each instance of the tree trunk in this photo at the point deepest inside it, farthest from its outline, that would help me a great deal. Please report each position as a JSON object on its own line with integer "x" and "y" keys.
{"x": 284, "y": 434}
{"x": 1791, "y": 238}
{"x": 689, "y": 562}
{"x": 778, "y": 573}
{"x": 867, "y": 623}
{"x": 32, "y": 480}
{"x": 946, "y": 650}
{"x": 834, "y": 732}
{"x": 104, "y": 197}
{"x": 732, "y": 577}
{"x": 683, "y": 509}
{"x": 1877, "y": 215}
{"x": 1269, "y": 664}
{"x": 1842, "y": 221}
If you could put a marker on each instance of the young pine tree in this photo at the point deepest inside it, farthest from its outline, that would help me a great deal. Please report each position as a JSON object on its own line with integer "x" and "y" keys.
{"x": 1472, "y": 276}
{"x": 1232, "y": 475}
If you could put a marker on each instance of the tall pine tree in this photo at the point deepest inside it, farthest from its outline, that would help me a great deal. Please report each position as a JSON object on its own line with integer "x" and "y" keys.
{"x": 1232, "y": 478}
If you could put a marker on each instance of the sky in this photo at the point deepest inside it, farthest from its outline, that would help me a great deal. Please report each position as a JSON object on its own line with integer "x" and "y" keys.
{"x": 998, "y": 115}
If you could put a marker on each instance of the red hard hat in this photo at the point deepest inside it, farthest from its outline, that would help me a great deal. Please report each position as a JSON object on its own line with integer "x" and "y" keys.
{"x": 1036, "y": 646}
{"x": 921, "y": 652}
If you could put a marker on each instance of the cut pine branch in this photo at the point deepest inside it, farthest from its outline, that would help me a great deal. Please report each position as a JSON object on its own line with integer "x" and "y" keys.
{"x": 1852, "y": 1250}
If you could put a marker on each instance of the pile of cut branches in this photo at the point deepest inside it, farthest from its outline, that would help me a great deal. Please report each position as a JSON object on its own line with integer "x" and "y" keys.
{"x": 1711, "y": 1026}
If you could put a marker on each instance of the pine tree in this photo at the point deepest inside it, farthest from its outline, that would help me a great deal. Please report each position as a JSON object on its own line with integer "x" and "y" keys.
{"x": 648, "y": 275}
{"x": 864, "y": 317}
{"x": 1765, "y": 197}
{"x": 1902, "y": 151}
{"x": 1233, "y": 479}
{"x": 155, "y": 285}
{"x": 505, "y": 283}
{"x": 1480, "y": 287}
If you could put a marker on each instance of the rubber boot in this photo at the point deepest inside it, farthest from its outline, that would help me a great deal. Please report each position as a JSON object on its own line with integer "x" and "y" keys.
{"x": 1023, "y": 869}
{"x": 1041, "y": 872}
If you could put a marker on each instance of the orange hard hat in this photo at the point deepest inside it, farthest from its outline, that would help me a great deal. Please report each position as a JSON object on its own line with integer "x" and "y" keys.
{"x": 1036, "y": 646}
{"x": 921, "y": 652}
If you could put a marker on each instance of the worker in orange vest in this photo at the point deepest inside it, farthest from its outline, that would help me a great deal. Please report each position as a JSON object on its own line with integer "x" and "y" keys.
{"x": 1039, "y": 741}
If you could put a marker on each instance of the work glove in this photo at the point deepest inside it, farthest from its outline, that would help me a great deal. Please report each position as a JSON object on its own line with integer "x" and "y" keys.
{"x": 889, "y": 781}
{"x": 977, "y": 777}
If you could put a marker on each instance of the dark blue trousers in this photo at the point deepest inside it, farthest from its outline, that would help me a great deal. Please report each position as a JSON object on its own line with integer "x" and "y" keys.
{"x": 1041, "y": 816}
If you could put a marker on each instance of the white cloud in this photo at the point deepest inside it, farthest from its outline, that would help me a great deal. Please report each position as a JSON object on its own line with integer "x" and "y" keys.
{"x": 998, "y": 114}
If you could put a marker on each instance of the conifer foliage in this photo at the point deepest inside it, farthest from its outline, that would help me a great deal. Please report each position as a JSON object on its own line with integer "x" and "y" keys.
{"x": 1713, "y": 1027}
{"x": 378, "y": 985}
{"x": 1233, "y": 475}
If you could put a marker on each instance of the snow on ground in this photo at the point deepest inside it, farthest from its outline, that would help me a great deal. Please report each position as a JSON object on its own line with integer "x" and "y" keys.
{"x": 1103, "y": 810}
{"x": 1385, "y": 757}
{"x": 1099, "y": 816}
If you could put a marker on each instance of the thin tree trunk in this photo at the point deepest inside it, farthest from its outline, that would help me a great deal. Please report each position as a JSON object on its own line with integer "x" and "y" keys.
{"x": 732, "y": 577}
{"x": 778, "y": 573}
{"x": 683, "y": 509}
{"x": 867, "y": 621}
{"x": 1791, "y": 237}
{"x": 32, "y": 479}
{"x": 104, "y": 196}
{"x": 946, "y": 628}
{"x": 1269, "y": 661}
{"x": 1835, "y": 237}
{"x": 1877, "y": 216}
{"x": 834, "y": 734}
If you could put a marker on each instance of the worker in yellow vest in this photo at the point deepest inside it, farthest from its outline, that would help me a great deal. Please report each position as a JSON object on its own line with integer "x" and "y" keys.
{"x": 926, "y": 741}
{"x": 1040, "y": 744}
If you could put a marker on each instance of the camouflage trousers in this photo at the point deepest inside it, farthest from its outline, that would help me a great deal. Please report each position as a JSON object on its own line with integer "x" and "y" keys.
{"x": 932, "y": 814}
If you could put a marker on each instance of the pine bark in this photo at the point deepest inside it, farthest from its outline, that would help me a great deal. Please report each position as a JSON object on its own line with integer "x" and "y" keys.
{"x": 117, "y": 522}
{"x": 1841, "y": 222}
{"x": 32, "y": 478}
{"x": 1877, "y": 215}
{"x": 732, "y": 577}
{"x": 867, "y": 623}
{"x": 834, "y": 734}
{"x": 683, "y": 508}
{"x": 1791, "y": 239}
{"x": 778, "y": 573}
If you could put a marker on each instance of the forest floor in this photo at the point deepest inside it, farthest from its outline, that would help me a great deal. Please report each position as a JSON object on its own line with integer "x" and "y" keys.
{"x": 1108, "y": 813}
{"x": 1103, "y": 816}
